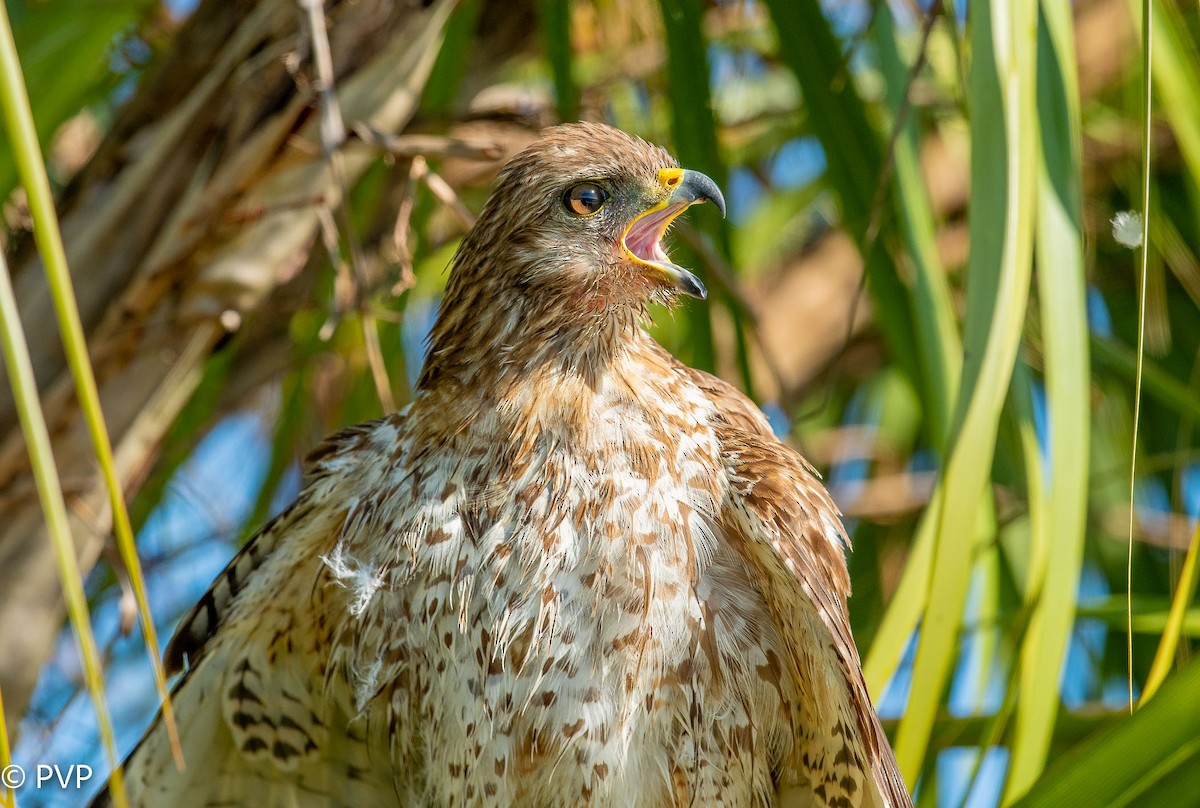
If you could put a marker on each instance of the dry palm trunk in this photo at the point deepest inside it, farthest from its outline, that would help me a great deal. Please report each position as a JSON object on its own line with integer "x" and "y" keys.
{"x": 203, "y": 198}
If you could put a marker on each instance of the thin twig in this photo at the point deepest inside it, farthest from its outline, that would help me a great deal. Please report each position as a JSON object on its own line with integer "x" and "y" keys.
{"x": 889, "y": 153}
{"x": 400, "y": 228}
{"x": 427, "y": 145}
{"x": 333, "y": 135}
{"x": 383, "y": 384}
{"x": 343, "y": 283}
{"x": 442, "y": 190}
{"x": 346, "y": 298}
{"x": 333, "y": 130}
{"x": 884, "y": 179}
{"x": 126, "y": 603}
{"x": 844, "y": 72}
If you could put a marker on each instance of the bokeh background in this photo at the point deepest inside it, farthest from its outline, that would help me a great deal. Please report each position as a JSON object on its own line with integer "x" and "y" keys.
{"x": 919, "y": 281}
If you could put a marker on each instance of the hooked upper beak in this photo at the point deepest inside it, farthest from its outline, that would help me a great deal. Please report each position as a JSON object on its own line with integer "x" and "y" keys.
{"x": 696, "y": 187}
{"x": 643, "y": 236}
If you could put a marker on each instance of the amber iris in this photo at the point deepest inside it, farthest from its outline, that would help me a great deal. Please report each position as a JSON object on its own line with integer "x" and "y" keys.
{"x": 586, "y": 198}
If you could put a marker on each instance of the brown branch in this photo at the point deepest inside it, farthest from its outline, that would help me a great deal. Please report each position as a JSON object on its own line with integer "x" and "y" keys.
{"x": 332, "y": 128}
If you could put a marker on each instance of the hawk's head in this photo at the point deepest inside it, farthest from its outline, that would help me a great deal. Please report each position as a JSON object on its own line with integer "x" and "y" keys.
{"x": 581, "y": 213}
{"x": 564, "y": 257}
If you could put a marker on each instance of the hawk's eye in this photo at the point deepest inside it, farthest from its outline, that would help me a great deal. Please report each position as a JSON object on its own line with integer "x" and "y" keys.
{"x": 585, "y": 199}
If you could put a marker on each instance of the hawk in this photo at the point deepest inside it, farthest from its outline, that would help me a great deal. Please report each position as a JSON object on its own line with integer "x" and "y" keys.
{"x": 573, "y": 571}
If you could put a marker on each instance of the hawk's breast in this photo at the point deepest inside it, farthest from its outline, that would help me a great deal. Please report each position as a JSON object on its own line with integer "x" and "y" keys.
{"x": 554, "y": 616}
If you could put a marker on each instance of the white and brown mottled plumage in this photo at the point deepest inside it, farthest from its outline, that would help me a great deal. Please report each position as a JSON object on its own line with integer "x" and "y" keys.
{"x": 571, "y": 572}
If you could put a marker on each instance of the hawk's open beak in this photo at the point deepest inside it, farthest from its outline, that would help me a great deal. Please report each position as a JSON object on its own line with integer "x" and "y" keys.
{"x": 642, "y": 240}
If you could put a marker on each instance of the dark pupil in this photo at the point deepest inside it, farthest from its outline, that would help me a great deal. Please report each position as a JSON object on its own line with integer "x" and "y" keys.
{"x": 586, "y": 199}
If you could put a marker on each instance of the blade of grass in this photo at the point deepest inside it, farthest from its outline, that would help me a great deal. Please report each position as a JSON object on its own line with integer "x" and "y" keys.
{"x": 909, "y": 600}
{"x": 1038, "y": 477}
{"x": 1164, "y": 657}
{"x": 907, "y": 603}
{"x": 67, "y": 48}
{"x": 1003, "y": 38}
{"x": 941, "y": 362}
{"x": 7, "y": 797}
{"x": 1059, "y": 524}
{"x": 693, "y": 125}
{"x": 834, "y": 110}
{"x": 18, "y": 123}
{"x": 1147, "y": 96}
{"x": 694, "y": 133}
{"x": 441, "y": 90}
{"x": 1150, "y": 615}
{"x": 1175, "y": 784}
{"x": 1156, "y": 381}
{"x": 1176, "y": 74}
{"x": 45, "y": 476}
{"x": 1037, "y": 483}
{"x": 985, "y": 633}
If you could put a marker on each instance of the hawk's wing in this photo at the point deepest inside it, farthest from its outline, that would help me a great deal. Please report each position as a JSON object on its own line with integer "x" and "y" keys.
{"x": 789, "y": 533}
{"x": 259, "y": 722}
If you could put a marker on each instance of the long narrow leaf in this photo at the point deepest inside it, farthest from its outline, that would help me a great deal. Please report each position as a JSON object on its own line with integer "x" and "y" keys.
{"x": 941, "y": 354}
{"x": 1176, "y": 76}
{"x": 1165, "y": 656}
{"x": 64, "y": 46}
{"x": 1061, "y": 285}
{"x": 1004, "y": 45}
{"x": 554, "y": 20}
{"x": 932, "y": 304}
{"x": 1121, "y": 766}
{"x": 1157, "y": 381}
{"x": 440, "y": 91}
{"x": 7, "y": 797}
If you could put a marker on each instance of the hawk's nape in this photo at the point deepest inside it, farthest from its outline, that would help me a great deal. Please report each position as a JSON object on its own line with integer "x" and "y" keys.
{"x": 571, "y": 571}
